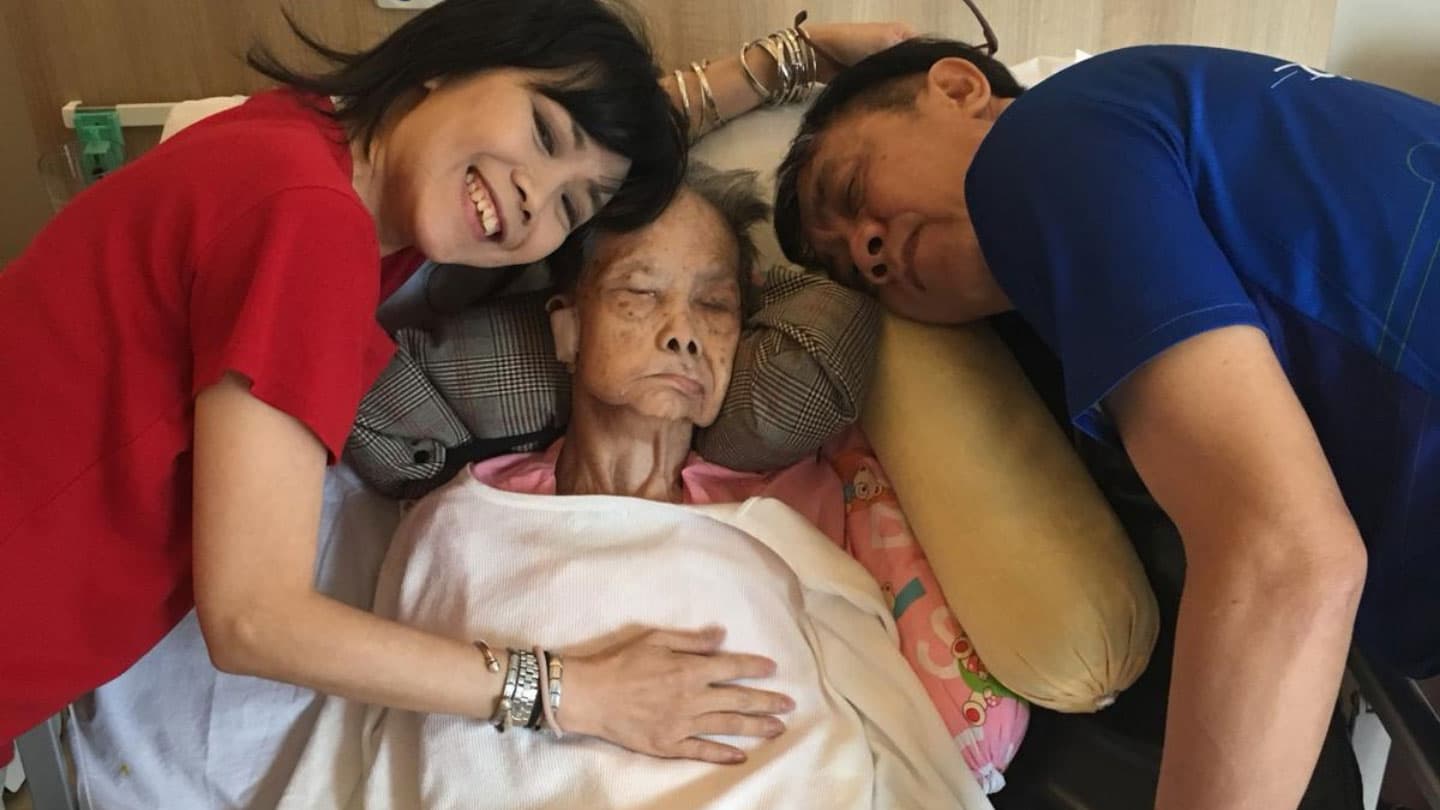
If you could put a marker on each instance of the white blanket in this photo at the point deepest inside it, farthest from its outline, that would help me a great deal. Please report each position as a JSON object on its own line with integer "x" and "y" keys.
{"x": 574, "y": 573}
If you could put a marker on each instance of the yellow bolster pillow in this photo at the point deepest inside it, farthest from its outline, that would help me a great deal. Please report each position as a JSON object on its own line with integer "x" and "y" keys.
{"x": 1030, "y": 558}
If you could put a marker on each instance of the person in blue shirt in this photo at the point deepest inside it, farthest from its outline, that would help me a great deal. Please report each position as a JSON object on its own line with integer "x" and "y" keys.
{"x": 1236, "y": 260}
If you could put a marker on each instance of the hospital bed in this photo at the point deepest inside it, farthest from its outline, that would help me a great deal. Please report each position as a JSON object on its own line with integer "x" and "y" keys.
{"x": 1069, "y": 762}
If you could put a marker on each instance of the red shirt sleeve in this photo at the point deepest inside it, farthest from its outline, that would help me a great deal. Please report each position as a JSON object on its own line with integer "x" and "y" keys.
{"x": 286, "y": 296}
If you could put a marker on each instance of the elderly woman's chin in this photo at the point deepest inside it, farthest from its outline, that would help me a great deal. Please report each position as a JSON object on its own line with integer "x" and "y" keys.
{"x": 672, "y": 402}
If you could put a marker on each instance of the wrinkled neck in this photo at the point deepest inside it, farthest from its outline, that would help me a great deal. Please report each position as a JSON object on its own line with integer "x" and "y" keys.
{"x": 614, "y": 451}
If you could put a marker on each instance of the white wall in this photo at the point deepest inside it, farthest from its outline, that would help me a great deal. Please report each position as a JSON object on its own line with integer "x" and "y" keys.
{"x": 1390, "y": 42}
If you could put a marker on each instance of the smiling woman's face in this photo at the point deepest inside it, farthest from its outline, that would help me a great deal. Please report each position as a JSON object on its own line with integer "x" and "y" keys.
{"x": 486, "y": 170}
{"x": 657, "y": 316}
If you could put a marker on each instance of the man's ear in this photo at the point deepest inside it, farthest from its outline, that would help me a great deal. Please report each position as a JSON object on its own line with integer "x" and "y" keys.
{"x": 565, "y": 328}
{"x": 961, "y": 83}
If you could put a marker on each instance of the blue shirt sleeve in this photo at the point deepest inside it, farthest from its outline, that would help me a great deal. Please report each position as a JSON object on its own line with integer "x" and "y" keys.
{"x": 1088, "y": 218}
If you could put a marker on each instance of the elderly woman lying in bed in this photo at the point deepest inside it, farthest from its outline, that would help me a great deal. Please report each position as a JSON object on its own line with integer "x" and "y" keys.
{"x": 646, "y": 534}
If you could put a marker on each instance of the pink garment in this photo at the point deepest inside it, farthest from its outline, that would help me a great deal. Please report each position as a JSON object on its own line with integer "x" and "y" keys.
{"x": 809, "y": 487}
{"x": 860, "y": 514}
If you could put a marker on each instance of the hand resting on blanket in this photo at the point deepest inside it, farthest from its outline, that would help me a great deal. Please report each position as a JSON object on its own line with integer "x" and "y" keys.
{"x": 657, "y": 692}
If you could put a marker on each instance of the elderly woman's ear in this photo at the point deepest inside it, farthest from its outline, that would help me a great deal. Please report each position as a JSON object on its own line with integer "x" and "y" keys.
{"x": 564, "y": 328}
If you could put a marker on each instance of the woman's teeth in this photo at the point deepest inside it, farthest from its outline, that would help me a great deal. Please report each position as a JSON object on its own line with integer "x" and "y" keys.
{"x": 484, "y": 206}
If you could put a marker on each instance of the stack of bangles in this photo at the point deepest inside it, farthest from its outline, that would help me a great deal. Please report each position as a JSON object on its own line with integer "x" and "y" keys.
{"x": 530, "y": 696}
{"x": 796, "y": 62}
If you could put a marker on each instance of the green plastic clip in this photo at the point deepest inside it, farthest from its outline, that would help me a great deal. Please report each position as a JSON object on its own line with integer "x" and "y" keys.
{"x": 102, "y": 143}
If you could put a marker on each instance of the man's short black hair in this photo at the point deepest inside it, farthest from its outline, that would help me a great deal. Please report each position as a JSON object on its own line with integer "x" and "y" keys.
{"x": 881, "y": 81}
{"x": 605, "y": 77}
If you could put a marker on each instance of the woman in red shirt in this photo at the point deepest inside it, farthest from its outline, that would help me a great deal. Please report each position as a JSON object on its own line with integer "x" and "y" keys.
{"x": 185, "y": 344}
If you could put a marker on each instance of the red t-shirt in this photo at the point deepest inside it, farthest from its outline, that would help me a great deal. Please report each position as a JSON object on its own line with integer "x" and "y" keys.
{"x": 240, "y": 245}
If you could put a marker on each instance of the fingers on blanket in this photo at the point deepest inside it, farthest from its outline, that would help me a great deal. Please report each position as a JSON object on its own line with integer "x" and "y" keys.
{"x": 748, "y": 701}
{"x": 707, "y": 751}
{"x": 700, "y": 642}
{"x": 738, "y": 725}
{"x": 724, "y": 667}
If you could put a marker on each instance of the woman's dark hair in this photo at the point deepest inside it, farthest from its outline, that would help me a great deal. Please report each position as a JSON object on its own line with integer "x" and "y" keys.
{"x": 605, "y": 76}
{"x": 877, "y": 82}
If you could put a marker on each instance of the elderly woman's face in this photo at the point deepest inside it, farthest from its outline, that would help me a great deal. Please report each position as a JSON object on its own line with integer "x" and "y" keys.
{"x": 659, "y": 315}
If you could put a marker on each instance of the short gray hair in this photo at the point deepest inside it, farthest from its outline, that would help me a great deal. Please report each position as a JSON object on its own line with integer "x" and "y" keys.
{"x": 733, "y": 193}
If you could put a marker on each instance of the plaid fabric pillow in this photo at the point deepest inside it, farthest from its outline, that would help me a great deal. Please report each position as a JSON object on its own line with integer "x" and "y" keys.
{"x": 486, "y": 382}
{"x": 802, "y": 371}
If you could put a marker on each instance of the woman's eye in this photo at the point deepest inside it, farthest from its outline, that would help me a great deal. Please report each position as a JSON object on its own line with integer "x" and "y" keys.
{"x": 547, "y": 137}
{"x": 571, "y": 214}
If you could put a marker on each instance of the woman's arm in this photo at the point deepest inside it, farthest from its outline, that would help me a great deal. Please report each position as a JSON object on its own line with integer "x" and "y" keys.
{"x": 259, "y": 475}
{"x": 258, "y": 479}
{"x": 838, "y": 46}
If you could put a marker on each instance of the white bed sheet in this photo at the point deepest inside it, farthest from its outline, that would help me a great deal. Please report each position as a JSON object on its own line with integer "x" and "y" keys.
{"x": 174, "y": 732}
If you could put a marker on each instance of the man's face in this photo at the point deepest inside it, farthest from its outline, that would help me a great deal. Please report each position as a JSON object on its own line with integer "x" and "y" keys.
{"x": 882, "y": 203}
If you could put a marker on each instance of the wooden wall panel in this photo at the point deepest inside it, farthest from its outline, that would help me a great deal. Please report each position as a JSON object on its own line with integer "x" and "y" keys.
{"x": 108, "y": 51}
{"x": 1298, "y": 29}
{"x": 24, "y": 206}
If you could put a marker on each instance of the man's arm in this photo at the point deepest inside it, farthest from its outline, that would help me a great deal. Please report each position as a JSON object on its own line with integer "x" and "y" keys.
{"x": 1275, "y": 567}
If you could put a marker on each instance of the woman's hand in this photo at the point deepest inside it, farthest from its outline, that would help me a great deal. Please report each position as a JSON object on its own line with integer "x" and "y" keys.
{"x": 843, "y": 44}
{"x": 657, "y": 693}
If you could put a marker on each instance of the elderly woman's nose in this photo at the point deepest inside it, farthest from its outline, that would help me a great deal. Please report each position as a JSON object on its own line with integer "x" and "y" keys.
{"x": 674, "y": 344}
{"x": 679, "y": 336}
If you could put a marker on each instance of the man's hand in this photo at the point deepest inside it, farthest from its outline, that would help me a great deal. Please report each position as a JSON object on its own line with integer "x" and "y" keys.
{"x": 1274, "y": 569}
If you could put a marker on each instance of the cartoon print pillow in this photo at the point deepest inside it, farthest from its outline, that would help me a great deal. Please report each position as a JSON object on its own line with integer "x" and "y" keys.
{"x": 987, "y": 720}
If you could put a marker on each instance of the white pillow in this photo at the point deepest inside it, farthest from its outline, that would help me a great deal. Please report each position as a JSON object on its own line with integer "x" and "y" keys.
{"x": 188, "y": 112}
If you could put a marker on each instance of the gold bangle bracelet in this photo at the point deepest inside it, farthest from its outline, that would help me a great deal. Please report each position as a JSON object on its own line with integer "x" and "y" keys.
{"x": 684, "y": 99}
{"x": 707, "y": 96}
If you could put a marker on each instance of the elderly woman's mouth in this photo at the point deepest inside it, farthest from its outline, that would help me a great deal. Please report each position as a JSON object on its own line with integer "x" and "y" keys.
{"x": 684, "y": 383}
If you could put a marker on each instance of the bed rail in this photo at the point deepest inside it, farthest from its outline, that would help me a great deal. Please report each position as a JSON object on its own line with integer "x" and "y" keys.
{"x": 45, "y": 771}
{"x": 1412, "y": 723}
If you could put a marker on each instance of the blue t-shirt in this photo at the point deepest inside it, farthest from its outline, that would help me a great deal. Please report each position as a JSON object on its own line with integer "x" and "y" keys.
{"x": 1150, "y": 194}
